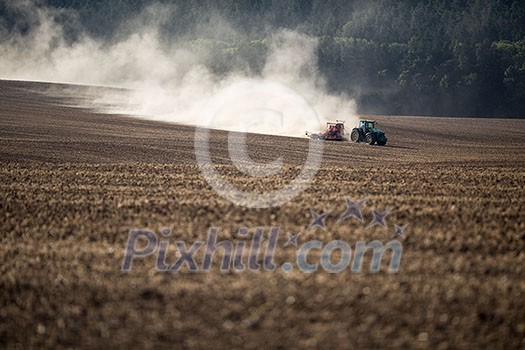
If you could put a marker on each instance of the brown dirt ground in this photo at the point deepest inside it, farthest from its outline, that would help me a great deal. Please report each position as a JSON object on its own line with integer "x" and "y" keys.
{"x": 74, "y": 182}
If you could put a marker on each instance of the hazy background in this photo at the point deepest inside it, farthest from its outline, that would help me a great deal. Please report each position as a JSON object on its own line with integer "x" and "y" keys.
{"x": 173, "y": 78}
{"x": 463, "y": 58}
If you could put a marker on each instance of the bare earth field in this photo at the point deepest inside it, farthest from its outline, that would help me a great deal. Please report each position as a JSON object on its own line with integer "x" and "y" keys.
{"x": 74, "y": 182}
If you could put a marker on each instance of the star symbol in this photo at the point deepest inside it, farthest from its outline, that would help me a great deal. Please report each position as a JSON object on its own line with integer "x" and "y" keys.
{"x": 379, "y": 218}
{"x": 317, "y": 220}
{"x": 399, "y": 231}
{"x": 292, "y": 239}
{"x": 353, "y": 209}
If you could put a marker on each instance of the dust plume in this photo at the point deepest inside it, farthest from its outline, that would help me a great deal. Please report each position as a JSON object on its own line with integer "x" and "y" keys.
{"x": 170, "y": 80}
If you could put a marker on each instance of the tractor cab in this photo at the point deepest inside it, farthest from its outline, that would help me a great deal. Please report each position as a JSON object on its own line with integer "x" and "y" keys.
{"x": 367, "y": 125}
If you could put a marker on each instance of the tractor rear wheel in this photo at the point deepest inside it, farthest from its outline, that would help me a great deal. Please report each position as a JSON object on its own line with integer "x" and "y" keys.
{"x": 381, "y": 143}
{"x": 354, "y": 136}
{"x": 370, "y": 139}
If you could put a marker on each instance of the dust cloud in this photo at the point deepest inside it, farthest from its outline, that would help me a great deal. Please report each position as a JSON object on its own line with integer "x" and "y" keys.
{"x": 170, "y": 81}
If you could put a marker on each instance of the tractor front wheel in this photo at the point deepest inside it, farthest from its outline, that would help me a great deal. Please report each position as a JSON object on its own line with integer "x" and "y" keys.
{"x": 354, "y": 136}
{"x": 370, "y": 139}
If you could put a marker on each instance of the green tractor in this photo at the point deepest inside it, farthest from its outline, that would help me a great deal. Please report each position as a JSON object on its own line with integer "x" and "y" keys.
{"x": 367, "y": 132}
